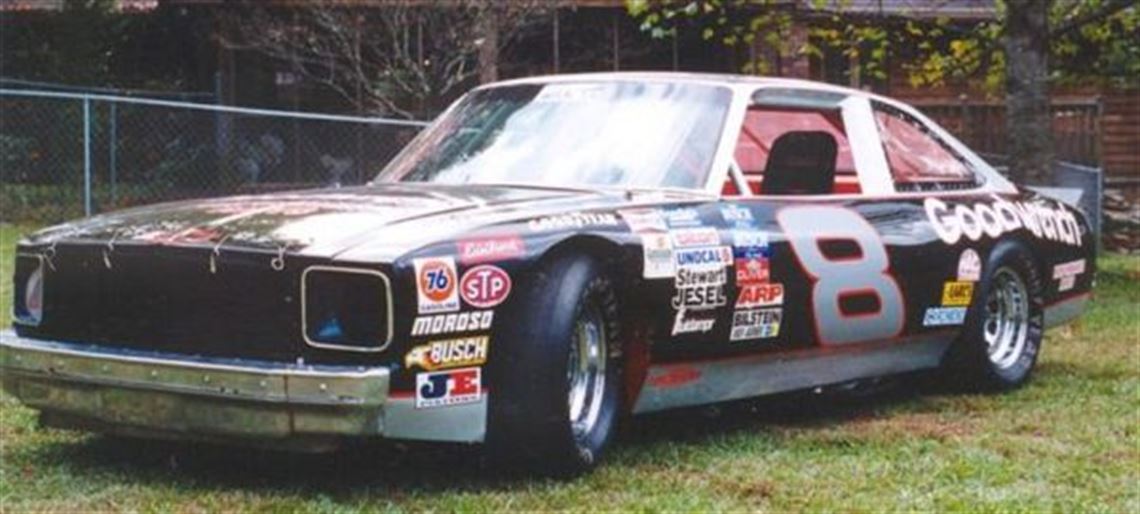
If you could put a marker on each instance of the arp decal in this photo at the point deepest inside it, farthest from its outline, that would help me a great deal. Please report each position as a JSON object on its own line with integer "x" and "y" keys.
{"x": 957, "y": 294}
{"x": 449, "y": 353}
{"x": 644, "y": 220}
{"x": 683, "y": 323}
{"x": 436, "y": 285}
{"x": 658, "y": 255}
{"x": 698, "y": 236}
{"x": 969, "y": 266}
{"x": 755, "y": 324}
{"x": 760, "y": 295}
{"x": 574, "y": 220}
{"x": 1066, "y": 273}
{"x": 454, "y": 322}
{"x": 1001, "y": 216}
{"x": 451, "y": 387}
{"x": 485, "y": 286}
{"x": 943, "y": 316}
{"x": 700, "y": 288}
{"x": 707, "y": 257}
{"x": 474, "y": 251}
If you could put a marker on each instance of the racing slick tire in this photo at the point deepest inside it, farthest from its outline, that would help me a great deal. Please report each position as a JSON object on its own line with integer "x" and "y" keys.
{"x": 555, "y": 396}
{"x": 1003, "y": 330}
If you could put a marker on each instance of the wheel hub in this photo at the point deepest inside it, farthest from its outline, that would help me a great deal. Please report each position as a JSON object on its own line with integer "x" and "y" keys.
{"x": 586, "y": 371}
{"x": 1006, "y": 326}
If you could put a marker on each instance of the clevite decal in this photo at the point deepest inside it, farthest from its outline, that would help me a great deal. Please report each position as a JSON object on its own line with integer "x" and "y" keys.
{"x": 658, "y": 256}
{"x": 943, "y": 316}
{"x": 485, "y": 286}
{"x": 755, "y": 324}
{"x": 475, "y": 251}
{"x": 451, "y": 387}
{"x": 449, "y": 353}
{"x": 436, "y": 285}
{"x": 1000, "y": 216}
{"x": 452, "y": 323}
{"x": 574, "y": 220}
{"x": 957, "y": 294}
{"x": 969, "y": 266}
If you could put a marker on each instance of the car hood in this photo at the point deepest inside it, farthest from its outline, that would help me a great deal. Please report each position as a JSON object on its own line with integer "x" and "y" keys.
{"x": 387, "y": 219}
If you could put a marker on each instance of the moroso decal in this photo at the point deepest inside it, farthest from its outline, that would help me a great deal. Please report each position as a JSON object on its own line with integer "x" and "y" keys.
{"x": 485, "y": 286}
{"x": 452, "y": 387}
{"x": 760, "y": 295}
{"x": 644, "y": 220}
{"x": 752, "y": 271}
{"x": 699, "y": 236}
{"x": 1066, "y": 273}
{"x": 943, "y": 316}
{"x": 708, "y": 257}
{"x": 658, "y": 256}
{"x": 957, "y": 294}
{"x": 700, "y": 288}
{"x": 683, "y": 324}
{"x": 475, "y": 251}
{"x": 969, "y": 266}
{"x": 755, "y": 324}
{"x": 449, "y": 353}
{"x": 436, "y": 285}
{"x": 574, "y": 220}
{"x": 1001, "y": 216}
{"x": 452, "y": 323}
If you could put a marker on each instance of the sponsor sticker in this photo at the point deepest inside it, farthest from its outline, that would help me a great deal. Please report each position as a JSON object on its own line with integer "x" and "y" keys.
{"x": 750, "y": 243}
{"x": 700, "y": 288}
{"x": 760, "y": 295}
{"x": 489, "y": 249}
{"x": 972, "y": 222}
{"x": 943, "y": 316}
{"x": 1066, "y": 273}
{"x": 956, "y": 294}
{"x": 683, "y": 324}
{"x": 451, "y": 387}
{"x": 752, "y": 270}
{"x": 969, "y": 266}
{"x": 644, "y": 220}
{"x": 449, "y": 353}
{"x": 736, "y": 215}
{"x": 574, "y": 220}
{"x": 683, "y": 217}
{"x": 485, "y": 286}
{"x": 755, "y": 324}
{"x": 674, "y": 376}
{"x": 707, "y": 257}
{"x": 452, "y": 323}
{"x": 436, "y": 285}
{"x": 689, "y": 237}
{"x": 658, "y": 255}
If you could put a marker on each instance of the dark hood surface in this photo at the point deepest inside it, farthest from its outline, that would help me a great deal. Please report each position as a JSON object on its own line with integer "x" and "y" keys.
{"x": 323, "y": 222}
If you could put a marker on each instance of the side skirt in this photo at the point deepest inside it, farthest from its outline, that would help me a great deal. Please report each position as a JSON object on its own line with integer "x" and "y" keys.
{"x": 675, "y": 385}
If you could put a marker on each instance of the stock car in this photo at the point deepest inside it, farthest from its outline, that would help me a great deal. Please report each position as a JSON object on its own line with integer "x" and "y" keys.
{"x": 552, "y": 255}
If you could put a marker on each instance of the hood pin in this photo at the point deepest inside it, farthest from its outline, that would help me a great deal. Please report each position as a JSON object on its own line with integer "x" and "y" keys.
{"x": 278, "y": 263}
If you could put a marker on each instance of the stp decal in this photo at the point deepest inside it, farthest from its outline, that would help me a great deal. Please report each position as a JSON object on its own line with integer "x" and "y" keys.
{"x": 450, "y": 353}
{"x": 452, "y": 323}
{"x": 436, "y": 285}
{"x": 485, "y": 286}
{"x": 957, "y": 294}
{"x": 969, "y": 266}
{"x": 444, "y": 388}
{"x": 1001, "y": 216}
{"x": 490, "y": 249}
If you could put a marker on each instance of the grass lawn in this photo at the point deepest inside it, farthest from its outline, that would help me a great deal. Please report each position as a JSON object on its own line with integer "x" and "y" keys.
{"x": 1069, "y": 441}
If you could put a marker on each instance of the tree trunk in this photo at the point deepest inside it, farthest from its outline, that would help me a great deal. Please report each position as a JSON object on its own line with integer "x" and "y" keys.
{"x": 488, "y": 47}
{"x": 1028, "y": 122}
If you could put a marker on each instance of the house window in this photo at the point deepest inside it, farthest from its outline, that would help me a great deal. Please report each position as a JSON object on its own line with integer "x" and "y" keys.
{"x": 918, "y": 159}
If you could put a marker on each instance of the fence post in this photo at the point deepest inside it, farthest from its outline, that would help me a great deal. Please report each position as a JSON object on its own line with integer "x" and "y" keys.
{"x": 87, "y": 156}
{"x": 114, "y": 152}
{"x": 964, "y": 114}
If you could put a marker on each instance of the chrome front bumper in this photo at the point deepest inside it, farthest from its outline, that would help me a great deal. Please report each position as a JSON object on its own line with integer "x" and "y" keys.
{"x": 182, "y": 397}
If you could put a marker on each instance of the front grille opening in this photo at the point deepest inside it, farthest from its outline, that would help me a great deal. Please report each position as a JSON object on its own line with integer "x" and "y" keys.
{"x": 28, "y": 290}
{"x": 346, "y": 308}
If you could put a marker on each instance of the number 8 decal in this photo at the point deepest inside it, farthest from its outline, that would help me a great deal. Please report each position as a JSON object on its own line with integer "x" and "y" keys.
{"x": 833, "y": 278}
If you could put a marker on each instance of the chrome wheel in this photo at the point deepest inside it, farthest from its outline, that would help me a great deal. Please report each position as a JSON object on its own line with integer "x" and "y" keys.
{"x": 1006, "y": 327}
{"x": 586, "y": 371}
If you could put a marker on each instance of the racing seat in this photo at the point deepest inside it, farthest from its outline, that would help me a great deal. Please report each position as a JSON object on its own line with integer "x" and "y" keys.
{"x": 801, "y": 163}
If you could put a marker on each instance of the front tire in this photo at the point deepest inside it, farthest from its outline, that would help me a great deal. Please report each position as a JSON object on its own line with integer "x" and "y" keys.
{"x": 556, "y": 396}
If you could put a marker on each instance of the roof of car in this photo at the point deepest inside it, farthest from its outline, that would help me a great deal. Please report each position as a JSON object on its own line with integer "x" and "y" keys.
{"x": 667, "y": 76}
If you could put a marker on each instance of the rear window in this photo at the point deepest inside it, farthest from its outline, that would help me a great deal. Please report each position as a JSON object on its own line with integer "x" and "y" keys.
{"x": 918, "y": 159}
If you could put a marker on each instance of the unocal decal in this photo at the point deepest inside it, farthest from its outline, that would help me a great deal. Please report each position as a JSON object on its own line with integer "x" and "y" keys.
{"x": 999, "y": 217}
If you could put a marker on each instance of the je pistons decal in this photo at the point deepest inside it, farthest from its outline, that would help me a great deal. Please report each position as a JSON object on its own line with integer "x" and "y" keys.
{"x": 450, "y": 353}
{"x": 436, "y": 285}
{"x": 444, "y": 388}
{"x": 685, "y": 324}
{"x": 452, "y": 323}
{"x": 485, "y": 286}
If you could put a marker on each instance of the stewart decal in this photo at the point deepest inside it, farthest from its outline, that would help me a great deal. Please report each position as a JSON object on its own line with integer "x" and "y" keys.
{"x": 475, "y": 251}
{"x": 1000, "y": 216}
{"x": 485, "y": 286}
{"x": 436, "y": 285}
{"x": 452, "y": 323}
{"x": 450, "y": 353}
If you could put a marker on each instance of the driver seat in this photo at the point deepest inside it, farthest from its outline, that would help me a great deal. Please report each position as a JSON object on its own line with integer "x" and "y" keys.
{"x": 801, "y": 163}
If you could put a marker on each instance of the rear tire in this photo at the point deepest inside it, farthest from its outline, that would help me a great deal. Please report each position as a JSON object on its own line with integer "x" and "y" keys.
{"x": 1001, "y": 338}
{"x": 555, "y": 398}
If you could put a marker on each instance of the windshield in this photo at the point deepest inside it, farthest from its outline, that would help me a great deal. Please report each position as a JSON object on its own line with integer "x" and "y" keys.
{"x": 621, "y": 134}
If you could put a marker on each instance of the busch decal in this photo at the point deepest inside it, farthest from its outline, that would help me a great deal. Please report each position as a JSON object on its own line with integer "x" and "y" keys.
{"x": 755, "y": 324}
{"x": 491, "y": 249}
{"x": 450, "y": 353}
{"x": 943, "y": 316}
{"x": 485, "y": 286}
{"x": 689, "y": 237}
{"x": 436, "y": 285}
{"x": 658, "y": 255}
{"x": 452, "y": 387}
{"x": 969, "y": 266}
{"x": 760, "y": 295}
{"x": 452, "y": 323}
{"x": 999, "y": 217}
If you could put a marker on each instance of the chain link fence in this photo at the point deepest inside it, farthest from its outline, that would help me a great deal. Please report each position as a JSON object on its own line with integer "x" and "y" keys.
{"x": 65, "y": 155}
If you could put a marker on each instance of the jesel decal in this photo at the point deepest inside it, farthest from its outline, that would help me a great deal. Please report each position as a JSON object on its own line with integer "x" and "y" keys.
{"x": 1001, "y": 216}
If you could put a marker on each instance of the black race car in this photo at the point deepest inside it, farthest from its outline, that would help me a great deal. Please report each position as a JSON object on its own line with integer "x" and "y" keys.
{"x": 551, "y": 255}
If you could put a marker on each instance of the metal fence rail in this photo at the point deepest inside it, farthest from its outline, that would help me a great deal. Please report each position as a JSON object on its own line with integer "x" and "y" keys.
{"x": 64, "y": 155}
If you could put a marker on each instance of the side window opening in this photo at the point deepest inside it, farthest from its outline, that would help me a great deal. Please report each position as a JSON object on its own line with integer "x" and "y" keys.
{"x": 919, "y": 160}
{"x": 793, "y": 150}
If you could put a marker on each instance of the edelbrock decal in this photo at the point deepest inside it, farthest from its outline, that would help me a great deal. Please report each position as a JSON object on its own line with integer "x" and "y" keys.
{"x": 1001, "y": 216}
{"x": 1066, "y": 273}
{"x": 485, "y": 286}
{"x": 755, "y": 324}
{"x": 658, "y": 256}
{"x": 449, "y": 353}
{"x": 475, "y": 251}
{"x": 436, "y": 285}
{"x": 451, "y": 387}
{"x": 943, "y": 316}
{"x": 969, "y": 266}
{"x": 455, "y": 322}
{"x": 574, "y": 220}
{"x": 683, "y": 324}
